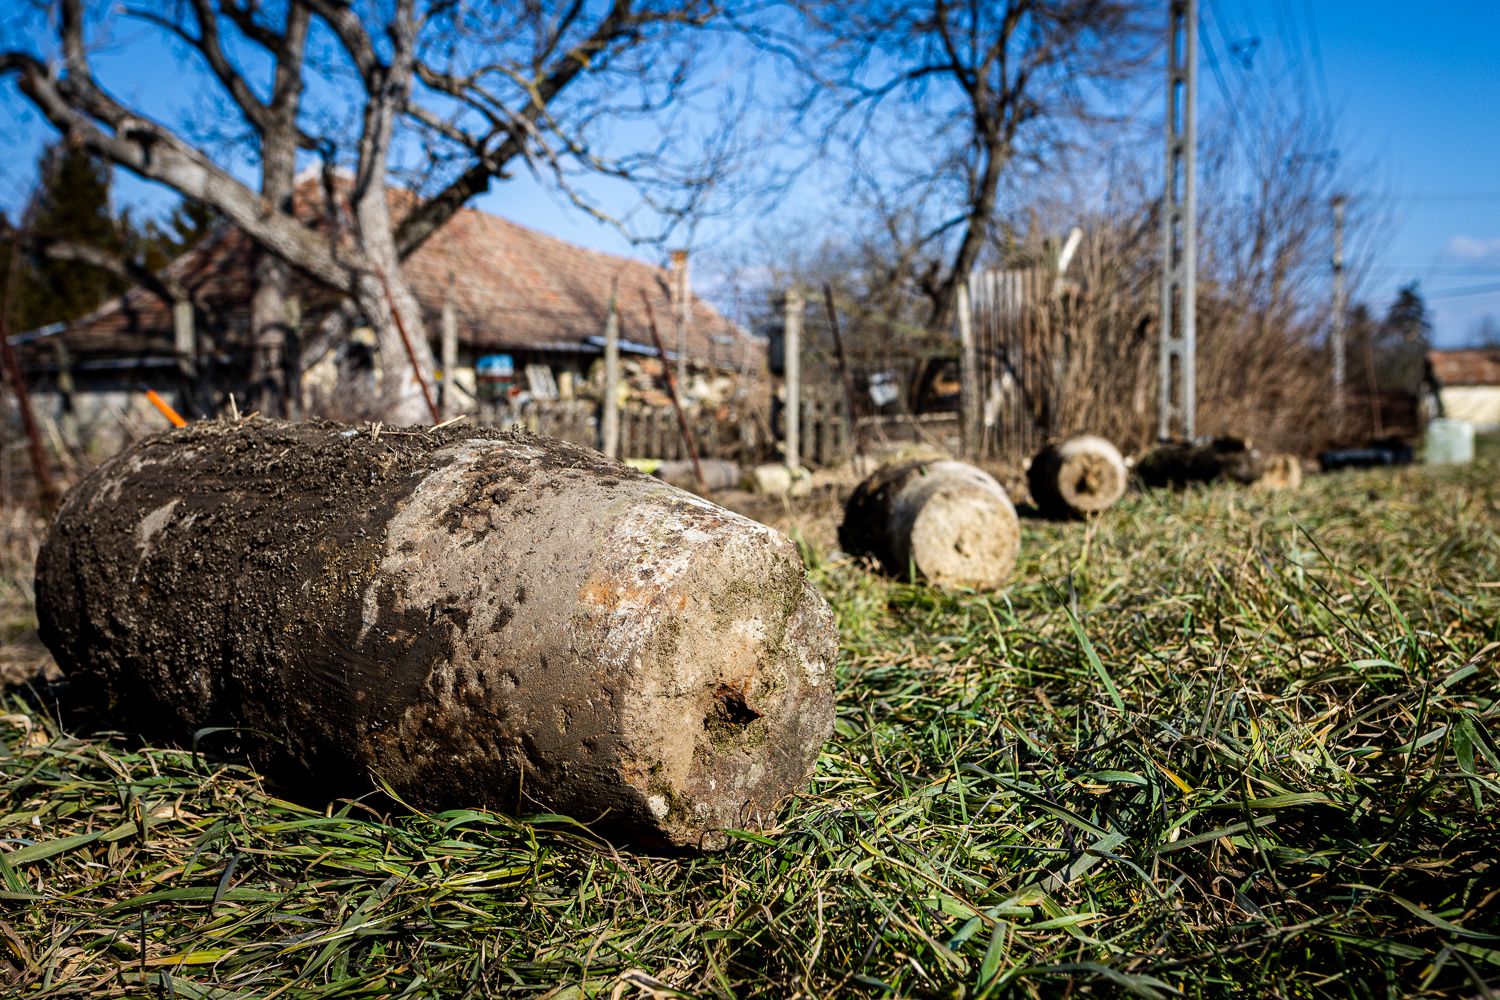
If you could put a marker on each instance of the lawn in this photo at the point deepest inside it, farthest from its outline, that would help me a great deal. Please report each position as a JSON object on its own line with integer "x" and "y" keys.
{"x": 1215, "y": 742}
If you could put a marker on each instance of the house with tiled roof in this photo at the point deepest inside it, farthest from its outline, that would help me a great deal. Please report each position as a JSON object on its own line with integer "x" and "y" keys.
{"x": 1465, "y": 385}
{"x": 512, "y": 292}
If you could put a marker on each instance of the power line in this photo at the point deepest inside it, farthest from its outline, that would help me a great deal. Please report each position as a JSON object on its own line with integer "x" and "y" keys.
{"x": 1463, "y": 196}
{"x": 1246, "y": 79}
{"x": 1317, "y": 49}
{"x": 1235, "y": 126}
{"x": 1289, "y": 45}
{"x": 1449, "y": 271}
{"x": 1454, "y": 194}
{"x": 1459, "y": 293}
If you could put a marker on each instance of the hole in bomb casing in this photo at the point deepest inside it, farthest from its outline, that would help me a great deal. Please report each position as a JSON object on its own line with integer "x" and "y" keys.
{"x": 730, "y": 708}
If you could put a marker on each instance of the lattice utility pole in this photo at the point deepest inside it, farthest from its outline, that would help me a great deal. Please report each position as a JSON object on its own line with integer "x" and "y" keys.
{"x": 1179, "y": 285}
{"x": 1340, "y": 304}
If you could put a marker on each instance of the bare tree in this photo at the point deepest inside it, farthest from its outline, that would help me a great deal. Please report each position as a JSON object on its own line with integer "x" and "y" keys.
{"x": 1090, "y": 341}
{"x": 941, "y": 99}
{"x": 1485, "y": 333}
{"x": 467, "y": 90}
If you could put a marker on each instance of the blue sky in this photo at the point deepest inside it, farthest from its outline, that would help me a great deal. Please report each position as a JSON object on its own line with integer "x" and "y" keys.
{"x": 1415, "y": 92}
{"x": 1417, "y": 88}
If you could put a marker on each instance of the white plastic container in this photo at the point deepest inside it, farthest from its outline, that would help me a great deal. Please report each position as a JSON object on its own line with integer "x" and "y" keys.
{"x": 1449, "y": 442}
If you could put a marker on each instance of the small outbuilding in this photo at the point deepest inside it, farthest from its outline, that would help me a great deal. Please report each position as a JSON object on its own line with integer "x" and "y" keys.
{"x": 1465, "y": 385}
{"x": 521, "y": 304}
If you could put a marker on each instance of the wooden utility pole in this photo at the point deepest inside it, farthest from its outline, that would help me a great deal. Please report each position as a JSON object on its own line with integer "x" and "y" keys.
{"x": 1179, "y": 286}
{"x": 1340, "y": 305}
{"x": 792, "y": 365}
{"x": 844, "y": 374}
{"x": 610, "y": 417}
{"x": 680, "y": 295}
{"x": 449, "y": 356}
{"x": 969, "y": 405}
{"x": 666, "y": 373}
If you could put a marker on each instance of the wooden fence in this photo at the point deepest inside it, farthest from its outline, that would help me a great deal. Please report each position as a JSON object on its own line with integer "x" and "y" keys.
{"x": 1007, "y": 412}
{"x": 826, "y": 439}
{"x": 645, "y": 431}
{"x": 652, "y": 431}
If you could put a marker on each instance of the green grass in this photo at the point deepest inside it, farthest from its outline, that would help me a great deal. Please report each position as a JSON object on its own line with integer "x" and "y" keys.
{"x": 1217, "y": 743}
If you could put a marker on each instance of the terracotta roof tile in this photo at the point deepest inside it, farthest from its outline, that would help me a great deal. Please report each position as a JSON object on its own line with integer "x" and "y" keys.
{"x": 512, "y": 288}
{"x": 1476, "y": 366}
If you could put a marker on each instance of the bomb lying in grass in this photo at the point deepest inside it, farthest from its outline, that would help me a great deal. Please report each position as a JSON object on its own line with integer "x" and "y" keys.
{"x": 473, "y": 618}
{"x": 1217, "y": 459}
{"x": 948, "y": 522}
{"x": 1082, "y": 475}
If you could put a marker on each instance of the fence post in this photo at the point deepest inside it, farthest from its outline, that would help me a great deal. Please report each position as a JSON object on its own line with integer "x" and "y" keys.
{"x": 969, "y": 403}
{"x": 69, "y": 412}
{"x": 807, "y": 427}
{"x": 185, "y": 347}
{"x": 610, "y": 418}
{"x": 792, "y": 362}
{"x": 827, "y": 415}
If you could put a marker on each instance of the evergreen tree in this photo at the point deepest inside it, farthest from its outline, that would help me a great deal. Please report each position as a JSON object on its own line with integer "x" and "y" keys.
{"x": 72, "y": 206}
{"x": 156, "y": 244}
{"x": 1402, "y": 340}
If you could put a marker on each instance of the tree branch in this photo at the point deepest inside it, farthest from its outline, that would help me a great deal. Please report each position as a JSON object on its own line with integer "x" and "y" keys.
{"x": 426, "y": 218}
{"x": 244, "y": 19}
{"x": 162, "y": 285}
{"x": 73, "y": 104}
{"x": 345, "y": 23}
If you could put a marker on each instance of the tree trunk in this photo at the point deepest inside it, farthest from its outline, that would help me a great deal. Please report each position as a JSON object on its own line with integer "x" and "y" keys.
{"x": 406, "y": 361}
{"x": 1083, "y": 475}
{"x": 945, "y": 521}
{"x": 394, "y": 313}
{"x": 400, "y": 334}
{"x": 478, "y": 619}
{"x": 268, "y": 336}
{"x": 976, "y": 230}
{"x": 274, "y": 373}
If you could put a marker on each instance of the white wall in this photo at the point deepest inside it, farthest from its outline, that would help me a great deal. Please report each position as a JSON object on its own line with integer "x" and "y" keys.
{"x": 1478, "y": 404}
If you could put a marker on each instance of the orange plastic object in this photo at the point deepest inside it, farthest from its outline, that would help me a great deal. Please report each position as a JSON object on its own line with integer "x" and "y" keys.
{"x": 165, "y": 408}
